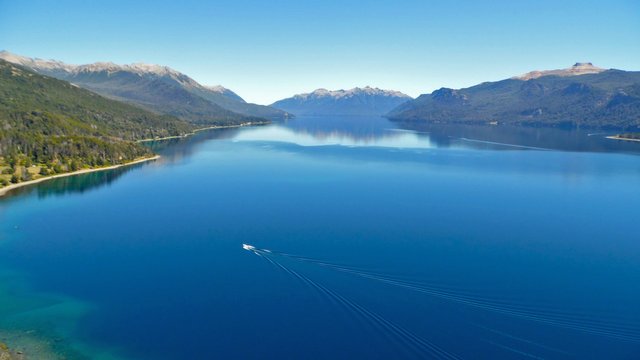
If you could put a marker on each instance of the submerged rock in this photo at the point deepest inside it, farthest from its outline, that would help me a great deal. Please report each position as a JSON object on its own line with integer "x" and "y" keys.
{"x": 7, "y": 354}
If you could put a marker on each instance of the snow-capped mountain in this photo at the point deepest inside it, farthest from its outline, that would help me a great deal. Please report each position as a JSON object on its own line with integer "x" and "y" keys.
{"x": 156, "y": 87}
{"x": 339, "y": 94}
{"x": 357, "y": 101}
{"x": 576, "y": 69}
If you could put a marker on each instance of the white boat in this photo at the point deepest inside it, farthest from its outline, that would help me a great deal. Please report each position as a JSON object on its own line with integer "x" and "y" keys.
{"x": 249, "y": 247}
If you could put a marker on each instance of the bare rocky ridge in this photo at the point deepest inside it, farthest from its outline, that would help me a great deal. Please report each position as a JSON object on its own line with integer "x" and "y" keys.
{"x": 577, "y": 69}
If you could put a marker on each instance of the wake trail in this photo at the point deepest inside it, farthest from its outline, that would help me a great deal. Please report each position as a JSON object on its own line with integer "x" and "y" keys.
{"x": 509, "y": 348}
{"x": 375, "y": 320}
{"x": 380, "y": 326}
{"x": 557, "y": 315}
{"x": 504, "y": 144}
{"x": 343, "y": 303}
{"x": 510, "y": 336}
{"x": 529, "y": 316}
{"x": 408, "y": 339}
{"x": 554, "y": 317}
{"x": 513, "y": 306}
{"x": 454, "y": 291}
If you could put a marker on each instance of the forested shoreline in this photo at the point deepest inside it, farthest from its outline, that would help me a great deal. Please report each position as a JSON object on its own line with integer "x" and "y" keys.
{"x": 49, "y": 127}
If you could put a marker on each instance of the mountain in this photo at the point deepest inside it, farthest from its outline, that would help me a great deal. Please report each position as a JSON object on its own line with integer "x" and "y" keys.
{"x": 358, "y": 101}
{"x": 62, "y": 127}
{"x": 157, "y": 88}
{"x": 229, "y": 100}
{"x": 580, "y": 96}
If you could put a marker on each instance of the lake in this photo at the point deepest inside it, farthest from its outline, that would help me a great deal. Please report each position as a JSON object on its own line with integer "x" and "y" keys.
{"x": 364, "y": 240}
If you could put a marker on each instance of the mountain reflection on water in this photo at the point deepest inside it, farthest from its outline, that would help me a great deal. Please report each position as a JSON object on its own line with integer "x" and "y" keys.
{"x": 73, "y": 184}
{"x": 373, "y": 242}
{"x": 380, "y": 132}
{"x": 355, "y": 132}
{"x": 175, "y": 150}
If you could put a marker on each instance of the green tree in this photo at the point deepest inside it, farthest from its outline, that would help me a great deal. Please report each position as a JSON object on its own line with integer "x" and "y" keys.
{"x": 15, "y": 179}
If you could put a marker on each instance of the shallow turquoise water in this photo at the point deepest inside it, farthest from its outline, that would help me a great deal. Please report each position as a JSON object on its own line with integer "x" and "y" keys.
{"x": 385, "y": 243}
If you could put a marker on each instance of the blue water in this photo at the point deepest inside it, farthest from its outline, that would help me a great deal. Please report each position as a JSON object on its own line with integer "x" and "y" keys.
{"x": 385, "y": 242}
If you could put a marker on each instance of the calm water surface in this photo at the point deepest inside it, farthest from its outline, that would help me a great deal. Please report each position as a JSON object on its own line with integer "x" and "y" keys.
{"x": 371, "y": 242}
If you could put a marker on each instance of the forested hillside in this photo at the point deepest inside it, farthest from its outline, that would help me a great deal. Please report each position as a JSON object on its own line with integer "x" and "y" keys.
{"x": 607, "y": 99}
{"x": 50, "y": 126}
{"x": 157, "y": 88}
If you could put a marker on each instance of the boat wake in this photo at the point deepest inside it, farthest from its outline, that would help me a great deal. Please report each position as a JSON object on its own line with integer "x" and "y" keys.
{"x": 504, "y": 144}
{"x": 551, "y": 316}
{"x": 418, "y": 346}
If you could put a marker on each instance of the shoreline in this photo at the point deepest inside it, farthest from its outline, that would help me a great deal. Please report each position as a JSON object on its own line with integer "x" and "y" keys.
{"x": 6, "y": 189}
{"x": 195, "y": 131}
{"x": 616, "y": 137}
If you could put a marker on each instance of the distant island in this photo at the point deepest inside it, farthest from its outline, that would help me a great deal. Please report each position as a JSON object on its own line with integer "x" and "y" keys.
{"x": 627, "y": 137}
{"x": 580, "y": 96}
{"x": 365, "y": 101}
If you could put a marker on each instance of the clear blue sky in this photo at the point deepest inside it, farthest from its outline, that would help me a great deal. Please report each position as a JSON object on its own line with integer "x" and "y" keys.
{"x": 269, "y": 49}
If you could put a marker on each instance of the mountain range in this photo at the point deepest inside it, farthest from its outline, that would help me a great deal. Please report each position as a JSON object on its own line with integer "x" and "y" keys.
{"x": 53, "y": 123}
{"x": 156, "y": 88}
{"x": 580, "y": 96}
{"x": 57, "y": 117}
{"x": 365, "y": 101}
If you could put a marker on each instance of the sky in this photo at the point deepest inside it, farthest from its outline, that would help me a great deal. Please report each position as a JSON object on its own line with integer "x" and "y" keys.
{"x": 272, "y": 49}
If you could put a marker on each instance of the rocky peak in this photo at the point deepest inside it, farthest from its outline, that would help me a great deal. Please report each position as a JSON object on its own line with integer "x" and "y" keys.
{"x": 579, "y": 68}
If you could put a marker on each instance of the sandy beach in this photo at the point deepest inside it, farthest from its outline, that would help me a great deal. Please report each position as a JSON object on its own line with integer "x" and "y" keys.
{"x": 11, "y": 187}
